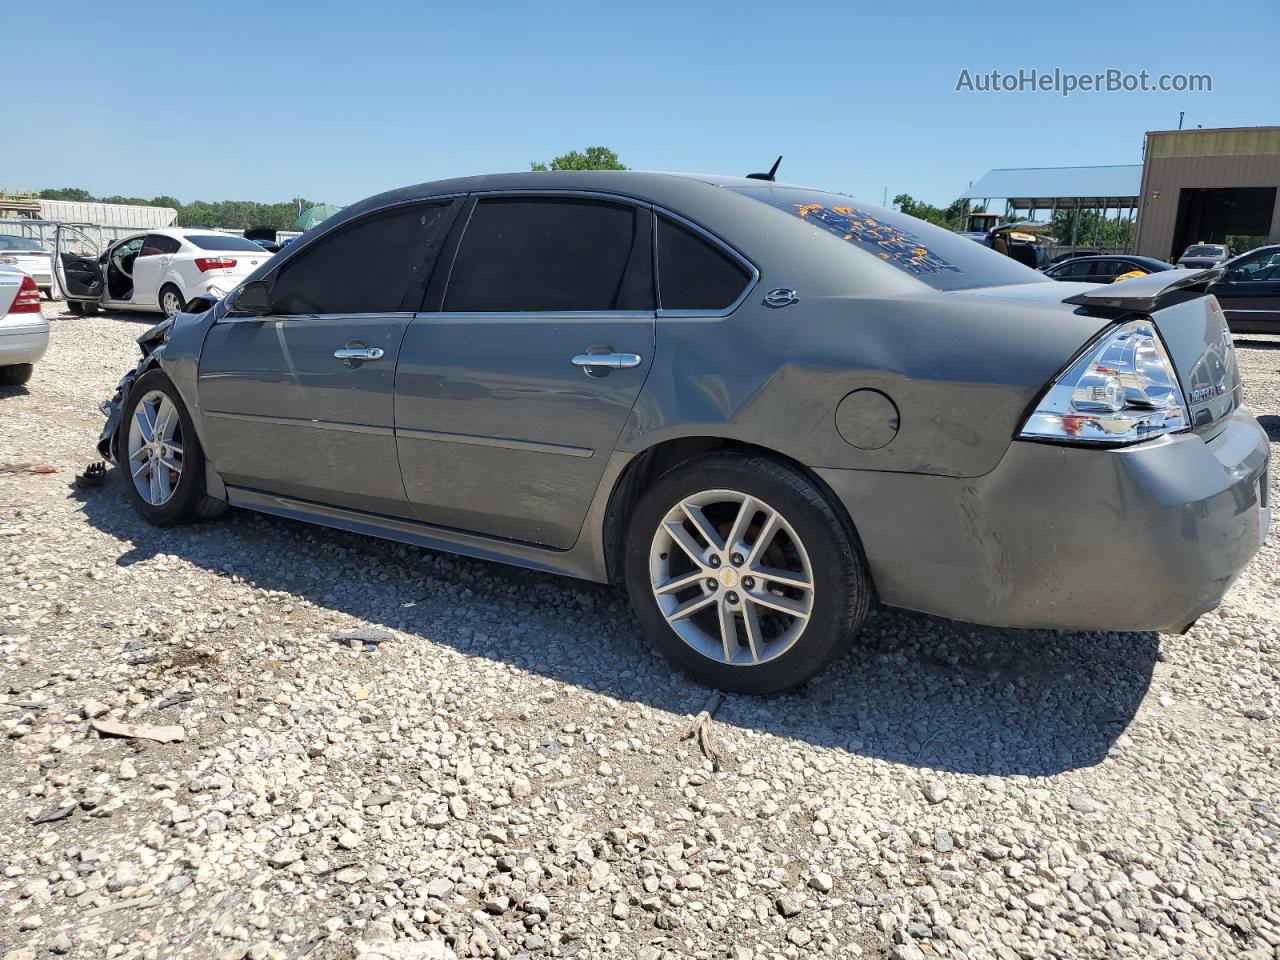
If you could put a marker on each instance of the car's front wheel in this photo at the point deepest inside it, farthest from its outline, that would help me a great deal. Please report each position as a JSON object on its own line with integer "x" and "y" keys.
{"x": 171, "y": 300}
{"x": 742, "y": 573}
{"x": 15, "y": 374}
{"x": 157, "y": 447}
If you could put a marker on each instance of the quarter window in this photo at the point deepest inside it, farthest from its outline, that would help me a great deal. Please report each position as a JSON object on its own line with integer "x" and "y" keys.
{"x": 553, "y": 254}
{"x": 377, "y": 265}
{"x": 695, "y": 274}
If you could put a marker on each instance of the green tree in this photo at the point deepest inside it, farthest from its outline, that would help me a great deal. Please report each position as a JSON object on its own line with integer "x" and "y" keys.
{"x": 950, "y": 217}
{"x": 1091, "y": 229}
{"x": 594, "y": 158}
{"x": 67, "y": 193}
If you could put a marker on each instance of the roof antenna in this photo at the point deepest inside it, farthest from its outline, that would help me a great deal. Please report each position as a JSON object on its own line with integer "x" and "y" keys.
{"x": 770, "y": 176}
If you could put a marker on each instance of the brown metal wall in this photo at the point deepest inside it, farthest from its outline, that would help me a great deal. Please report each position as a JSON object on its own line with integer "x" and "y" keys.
{"x": 1167, "y": 170}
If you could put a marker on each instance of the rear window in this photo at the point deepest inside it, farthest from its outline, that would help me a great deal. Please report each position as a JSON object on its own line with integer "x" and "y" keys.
{"x": 12, "y": 243}
{"x": 1205, "y": 251}
{"x": 208, "y": 241}
{"x": 938, "y": 257}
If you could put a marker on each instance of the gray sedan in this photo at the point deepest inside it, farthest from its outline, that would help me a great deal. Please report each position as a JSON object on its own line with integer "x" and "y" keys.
{"x": 758, "y": 406}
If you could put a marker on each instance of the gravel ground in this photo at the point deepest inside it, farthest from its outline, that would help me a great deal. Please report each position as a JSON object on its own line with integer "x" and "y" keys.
{"x": 390, "y": 753}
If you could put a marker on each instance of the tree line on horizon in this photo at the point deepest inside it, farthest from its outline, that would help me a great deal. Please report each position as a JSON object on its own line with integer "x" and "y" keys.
{"x": 220, "y": 214}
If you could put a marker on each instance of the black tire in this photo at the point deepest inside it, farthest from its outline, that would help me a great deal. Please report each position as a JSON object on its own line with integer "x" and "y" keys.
{"x": 189, "y": 500}
{"x": 169, "y": 288}
{"x": 76, "y": 307}
{"x": 841, "y": 586}
{"x": 15, "y": 374}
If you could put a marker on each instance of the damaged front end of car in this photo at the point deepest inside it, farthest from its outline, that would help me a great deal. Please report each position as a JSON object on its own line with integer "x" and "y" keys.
{"x": 152, "y": 343}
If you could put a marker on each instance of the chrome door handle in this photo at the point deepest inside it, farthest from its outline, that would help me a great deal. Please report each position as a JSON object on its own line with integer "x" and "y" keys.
{"x": 358, "y": 353}
{"x": 614, "y": 361}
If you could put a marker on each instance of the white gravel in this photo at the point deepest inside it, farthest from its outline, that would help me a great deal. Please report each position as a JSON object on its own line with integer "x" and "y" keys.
{"x": 490, "y": 766}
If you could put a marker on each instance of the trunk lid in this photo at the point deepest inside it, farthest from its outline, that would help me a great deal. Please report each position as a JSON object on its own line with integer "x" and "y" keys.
{"x": 1194, "y": 330}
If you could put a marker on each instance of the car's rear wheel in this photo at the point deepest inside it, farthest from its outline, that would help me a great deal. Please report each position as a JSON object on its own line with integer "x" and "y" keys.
{"x": 742, "y": 573}
{"x": 15, "y": 374}
{"x": 171, "y": 300}
{"x": 158, "y": 449}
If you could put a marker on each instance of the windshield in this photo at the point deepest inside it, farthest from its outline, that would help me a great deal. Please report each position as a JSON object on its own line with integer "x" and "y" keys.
{"x": 8, "y": 242}
{"x": 1205, "y": 251}
{"x": 212, "y": 241}
{"x": 938, "y": 257}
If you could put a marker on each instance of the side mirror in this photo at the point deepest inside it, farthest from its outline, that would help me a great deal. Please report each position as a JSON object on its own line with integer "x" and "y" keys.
{"x": 252, "y": 300}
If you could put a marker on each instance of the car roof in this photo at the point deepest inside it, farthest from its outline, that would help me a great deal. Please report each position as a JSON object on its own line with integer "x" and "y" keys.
{"x": 658, "y": 187}
{"x": 1250, "y": 253}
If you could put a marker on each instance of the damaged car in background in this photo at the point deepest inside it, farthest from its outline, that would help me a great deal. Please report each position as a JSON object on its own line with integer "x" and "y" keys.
{"x": 757, "y": 406}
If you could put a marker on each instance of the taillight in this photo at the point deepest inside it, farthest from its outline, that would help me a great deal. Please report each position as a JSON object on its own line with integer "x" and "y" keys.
{"x": 28, "y": 298}
{"x": 214, "y": 263}
{"x": 1123, "y": 389}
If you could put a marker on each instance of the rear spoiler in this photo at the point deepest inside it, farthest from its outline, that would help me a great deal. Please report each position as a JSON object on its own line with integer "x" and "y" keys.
{"x": 1148, "y": 294}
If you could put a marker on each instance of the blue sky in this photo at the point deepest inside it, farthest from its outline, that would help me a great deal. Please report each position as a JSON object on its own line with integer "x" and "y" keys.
{"x": 336, "y": 101}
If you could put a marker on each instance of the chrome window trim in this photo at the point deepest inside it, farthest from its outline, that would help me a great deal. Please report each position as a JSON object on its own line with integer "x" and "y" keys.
{"x": 405, "y": 315}
{"x": 560, "y": 192}
{"x": 535, "y": 315}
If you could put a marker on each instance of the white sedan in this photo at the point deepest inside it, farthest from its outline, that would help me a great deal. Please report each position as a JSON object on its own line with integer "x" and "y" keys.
{"x": 157, "y": 271}
{"x": 24, "y": 332}
{"x": 29, "y": 256}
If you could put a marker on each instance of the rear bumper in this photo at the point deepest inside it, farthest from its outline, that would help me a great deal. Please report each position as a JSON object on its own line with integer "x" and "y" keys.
{"x": 26, "y": 344}
{"x": 1147, "y": 537}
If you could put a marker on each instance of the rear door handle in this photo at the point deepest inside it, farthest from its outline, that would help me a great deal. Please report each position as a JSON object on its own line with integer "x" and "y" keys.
{"x": 614, "y": 361}
{"x": 358, "y": 353}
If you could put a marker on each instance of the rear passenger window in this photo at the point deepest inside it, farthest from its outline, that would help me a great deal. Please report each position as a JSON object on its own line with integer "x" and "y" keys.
{"x": 157, "y": 245}
{"x": 377, "y": 265}
{"x": 695, "y": 274}
{"x": 553, "y": 254}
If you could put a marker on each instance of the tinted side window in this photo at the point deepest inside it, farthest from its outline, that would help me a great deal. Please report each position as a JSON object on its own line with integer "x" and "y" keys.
{"x": 553, "y": 253}
{"x": 693, "y": 273}
{"x": 157, "y": 244}
{"x": 366, "y": 267}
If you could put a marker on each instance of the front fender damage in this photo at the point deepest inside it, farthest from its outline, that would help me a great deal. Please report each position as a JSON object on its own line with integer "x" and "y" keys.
{"x": 152, "y": 345}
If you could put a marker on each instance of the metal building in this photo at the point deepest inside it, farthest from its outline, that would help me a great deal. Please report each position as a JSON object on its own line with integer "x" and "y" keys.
{"x": 1093, "y": 208}
{"x": 1211, "y": 186}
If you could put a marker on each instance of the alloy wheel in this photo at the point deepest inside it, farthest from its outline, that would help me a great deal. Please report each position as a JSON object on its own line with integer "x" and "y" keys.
{"x": 731, "y": 577}
{"x": 155, "y": 448}
{"x": 169, "y": 303}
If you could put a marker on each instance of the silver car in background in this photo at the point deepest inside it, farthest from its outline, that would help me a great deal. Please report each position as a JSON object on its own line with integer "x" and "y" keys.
{"x": 31, "y": 257}
{"x": 24, "y": 332}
